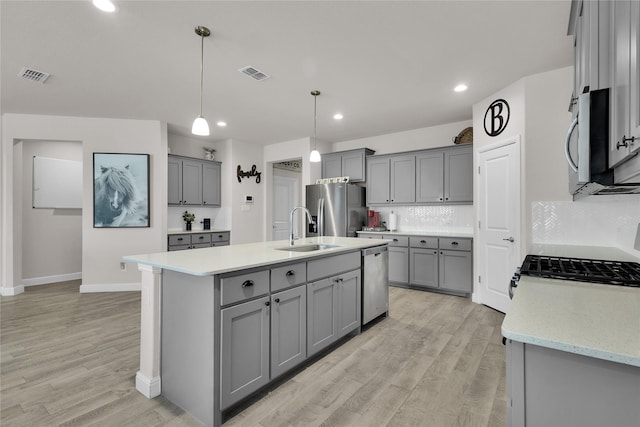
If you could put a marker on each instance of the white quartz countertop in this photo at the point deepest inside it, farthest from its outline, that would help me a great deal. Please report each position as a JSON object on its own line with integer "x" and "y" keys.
{"x": 224, "y": 259}
{"x": 194, "y": 231}
{"x": 596, "y": 320}
{"x": 460, "y": 232}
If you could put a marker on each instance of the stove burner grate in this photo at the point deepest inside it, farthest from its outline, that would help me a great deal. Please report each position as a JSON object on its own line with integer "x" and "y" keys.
{"x": 585, "y": 270}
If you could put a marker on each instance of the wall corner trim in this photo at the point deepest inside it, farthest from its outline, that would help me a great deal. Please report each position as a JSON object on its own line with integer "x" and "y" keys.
{"x": 9, "y": 292}
{"x": 149, "y": 387}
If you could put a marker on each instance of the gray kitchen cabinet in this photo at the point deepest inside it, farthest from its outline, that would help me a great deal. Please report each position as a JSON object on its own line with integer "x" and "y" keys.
{"x": 458, "y": 175}
{"x": 430, "y": 177}
{"x": 174, "y": 185}
{"x": 625, "y": 89}
{"x": 378, "y": 180}
{"x": 454, "y": 271}
{"x": 244, "y": 350}
{"x": 322, "y": 315}
{"x": 391, "y": 180}
{"x": 288, "y": 329}
{"x": 548, "y": 387}
{"x": 399, "y": 260}
{"x": 193, "y": 182}
{"x": 333, "y": 309}
{"x": 204, "y": 239}
{"x": 349, "y": 163}
{"x": 211, "y": 179}
{"x": 423, "y": 267}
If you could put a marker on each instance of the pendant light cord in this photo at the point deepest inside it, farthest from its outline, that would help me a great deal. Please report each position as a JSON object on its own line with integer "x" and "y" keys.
{"x": 201, "y": 69}
{"x": 315, "y": 121}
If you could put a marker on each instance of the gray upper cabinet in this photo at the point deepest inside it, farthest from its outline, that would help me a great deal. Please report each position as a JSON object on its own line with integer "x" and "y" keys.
{"x": 430, "y": 177}
{"x": 458, "y": 175}
{"x": 438, "y": 176}
{"x": 211, "y": 190}
{"x": 193, "y": 182}
{"x": 349, "y": 163}
{"x": 378, "y": 180}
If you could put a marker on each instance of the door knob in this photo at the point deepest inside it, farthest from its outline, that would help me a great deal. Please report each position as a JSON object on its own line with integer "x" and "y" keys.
{"x": 510, "y": 239}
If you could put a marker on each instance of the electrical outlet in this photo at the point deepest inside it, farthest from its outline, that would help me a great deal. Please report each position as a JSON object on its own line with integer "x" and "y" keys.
{"x": 123, "y": 266}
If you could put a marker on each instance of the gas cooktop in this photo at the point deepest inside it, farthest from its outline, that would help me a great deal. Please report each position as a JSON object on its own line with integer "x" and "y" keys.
{"x": 621, "y": 273}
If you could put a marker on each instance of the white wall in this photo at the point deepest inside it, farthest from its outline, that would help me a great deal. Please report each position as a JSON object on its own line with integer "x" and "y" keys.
{"x": 102, "y": 248}
{"x": 416, "y": 139}
{"x": 247, "y": 220}
{"x": 51, "y": 238}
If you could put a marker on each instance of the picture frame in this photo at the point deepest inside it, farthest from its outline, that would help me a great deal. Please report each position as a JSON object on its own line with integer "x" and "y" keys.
{"x": 121, "y": 190}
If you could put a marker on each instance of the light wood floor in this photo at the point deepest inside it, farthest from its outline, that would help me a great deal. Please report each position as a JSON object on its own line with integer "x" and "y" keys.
{"x": 70, "y": 359}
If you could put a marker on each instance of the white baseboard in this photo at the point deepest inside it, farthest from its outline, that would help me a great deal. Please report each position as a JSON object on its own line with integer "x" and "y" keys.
{"x": 9, "y": 292}
{"x": 51, "y": 279}
{"x": 110, "y": 287}
{"x": 149, "y": 387}
{"x": 475, "y": 297}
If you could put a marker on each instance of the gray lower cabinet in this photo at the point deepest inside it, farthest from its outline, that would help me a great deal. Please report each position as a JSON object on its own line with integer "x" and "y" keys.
{"x": 179, "y": 242}
{"x": 548, "y": 387}
{"x": 244, "y": 349}
{"x": 454, "y": 271}
{"x": 333, "y": 309}
{"x": 399, "y": 265}
{"x": 288, "y": 329}
{"x": 424, "y": 267}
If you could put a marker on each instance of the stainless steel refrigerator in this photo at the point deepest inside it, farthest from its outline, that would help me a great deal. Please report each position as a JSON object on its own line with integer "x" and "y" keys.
{"x": 338, "y": 209}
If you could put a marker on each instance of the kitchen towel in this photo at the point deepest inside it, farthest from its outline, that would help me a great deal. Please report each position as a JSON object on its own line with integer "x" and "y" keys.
{"x": 393, "y": 221}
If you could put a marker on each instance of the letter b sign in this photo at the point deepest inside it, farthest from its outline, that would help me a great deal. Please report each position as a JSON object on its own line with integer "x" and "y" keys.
{"x": 496, "y": 117}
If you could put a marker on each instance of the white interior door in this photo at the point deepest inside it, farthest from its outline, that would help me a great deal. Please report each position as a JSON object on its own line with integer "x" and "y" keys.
{"x": 498, "y": 221}
{"x": 285, "y": 198}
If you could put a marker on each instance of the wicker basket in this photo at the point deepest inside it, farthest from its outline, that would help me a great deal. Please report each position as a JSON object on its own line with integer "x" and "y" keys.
{"x": 464, "y": 137}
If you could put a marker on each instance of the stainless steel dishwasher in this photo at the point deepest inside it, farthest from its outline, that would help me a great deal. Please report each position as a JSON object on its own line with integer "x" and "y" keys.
{"x": 375, "y": 283}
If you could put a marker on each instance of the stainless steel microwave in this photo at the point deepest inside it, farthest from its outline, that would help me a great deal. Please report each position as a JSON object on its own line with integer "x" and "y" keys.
{"x": 588, "y": 153}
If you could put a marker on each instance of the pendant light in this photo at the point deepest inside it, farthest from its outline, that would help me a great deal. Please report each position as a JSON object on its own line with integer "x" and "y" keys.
{"x": 200, "y": 125}
{"x": 315, "y": 155}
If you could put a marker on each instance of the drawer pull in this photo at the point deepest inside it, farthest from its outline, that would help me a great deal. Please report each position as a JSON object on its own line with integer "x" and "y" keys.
{"x": 395, "y": 240}
{"x": 454, "y": 243}
{"x": 179, "y": 239}
{"x": 201, "y": 237}
{"x": 247, "y": 283}
{"x": 219, "y": 236}
{"x": 424, "y": 242}
{"x": 290, "y": 273}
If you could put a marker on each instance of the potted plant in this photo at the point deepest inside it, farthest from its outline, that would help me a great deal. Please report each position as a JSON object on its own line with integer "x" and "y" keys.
{"x": 188, "y": 218}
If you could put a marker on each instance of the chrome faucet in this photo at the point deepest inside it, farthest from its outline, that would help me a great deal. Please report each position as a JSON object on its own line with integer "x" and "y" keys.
{"x": 311, "y": 221}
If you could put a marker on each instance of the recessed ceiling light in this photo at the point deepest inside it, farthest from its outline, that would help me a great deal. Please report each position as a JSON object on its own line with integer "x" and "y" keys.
{"x": 105, "y": 5}
{"x": 338, "y": 116}
{"x": 221, "y": 124}
{"x": 460, "y": 88}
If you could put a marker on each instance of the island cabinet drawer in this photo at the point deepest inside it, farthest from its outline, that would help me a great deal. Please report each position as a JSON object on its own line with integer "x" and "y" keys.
{"x": 329, "y": 266}
{"x": 201, "y": 238}
{"x": 288, "y": 275}
{"x": 424, "y": 242}
{"x": 455, "y": 244}
{"x": 220, "y": 236}
{"x": 245, "y": 286}
{"x": 398, "y": 240}
{"x": 179, "y": 239}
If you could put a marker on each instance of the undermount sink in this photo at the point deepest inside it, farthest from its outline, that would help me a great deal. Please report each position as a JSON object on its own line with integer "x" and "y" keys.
{"x": 306, "y": 248}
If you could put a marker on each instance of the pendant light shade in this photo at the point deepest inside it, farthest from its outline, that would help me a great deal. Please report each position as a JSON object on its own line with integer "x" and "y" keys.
{"x": 200, "y": 125}
{"x": 314, "y": 156}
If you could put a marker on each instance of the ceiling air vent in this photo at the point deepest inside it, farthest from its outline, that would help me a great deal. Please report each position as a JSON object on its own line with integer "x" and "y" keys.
{"x": 33, "y": 75}
{"x": 254, "y": 73}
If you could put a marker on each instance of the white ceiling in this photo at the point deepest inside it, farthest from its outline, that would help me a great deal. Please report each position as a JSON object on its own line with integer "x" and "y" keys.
{"x": 387, "y": 66}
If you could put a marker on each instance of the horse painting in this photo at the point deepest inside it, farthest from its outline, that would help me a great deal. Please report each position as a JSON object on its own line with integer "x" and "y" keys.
{"x": 116, "y": 196}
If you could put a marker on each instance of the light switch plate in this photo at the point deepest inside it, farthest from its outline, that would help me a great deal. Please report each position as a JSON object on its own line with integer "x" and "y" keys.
{"x": 637, "y": 244}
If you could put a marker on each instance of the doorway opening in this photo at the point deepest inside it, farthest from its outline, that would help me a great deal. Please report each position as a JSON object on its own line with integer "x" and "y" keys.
{"x": 287, "y": 193}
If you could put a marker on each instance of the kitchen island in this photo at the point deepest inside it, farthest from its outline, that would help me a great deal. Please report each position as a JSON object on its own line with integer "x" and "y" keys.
{"x": 236, "y": 317}
{"x": 573, "y": 348}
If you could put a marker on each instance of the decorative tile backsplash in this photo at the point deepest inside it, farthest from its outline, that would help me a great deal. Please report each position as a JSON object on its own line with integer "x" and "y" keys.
{"x": 610, "y": 220}
{"x": 418, "y": 218}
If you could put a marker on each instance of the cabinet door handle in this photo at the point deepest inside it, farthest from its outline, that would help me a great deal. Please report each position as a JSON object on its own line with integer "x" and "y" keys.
{"x": 441, "y": 253}
{"x": 267, "y": 303}
{"x": 435, "y": 252}
{"x": 204, "y": 203}
{"x": 277, "y": 300}
{"x": 290, "y": 273}
{"x": 440, "y": 199}
{"x": 247, "y": 283}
